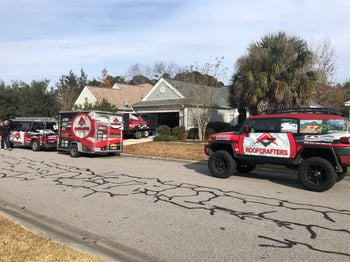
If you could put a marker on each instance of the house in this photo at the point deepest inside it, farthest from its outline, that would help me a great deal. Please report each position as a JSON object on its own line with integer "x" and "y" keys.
{"x": 169, "y": 103}
{"x": 166, "y": 103}
{"x": 123, "y": 96}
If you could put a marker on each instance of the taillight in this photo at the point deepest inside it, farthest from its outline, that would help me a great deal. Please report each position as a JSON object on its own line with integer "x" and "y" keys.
{"x": 345, "y": 140}
{"x": 210, "y": 139}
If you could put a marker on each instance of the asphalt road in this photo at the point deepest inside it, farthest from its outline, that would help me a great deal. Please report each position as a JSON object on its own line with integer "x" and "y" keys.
{"x": 124, "y": 208}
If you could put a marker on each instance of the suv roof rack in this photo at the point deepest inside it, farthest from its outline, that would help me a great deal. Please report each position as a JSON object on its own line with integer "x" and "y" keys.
{"x": 314, "y": 110}
{"x": 33, "y": 118}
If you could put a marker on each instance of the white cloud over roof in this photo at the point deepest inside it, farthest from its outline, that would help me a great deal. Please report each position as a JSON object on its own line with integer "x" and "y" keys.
{"x": 45, "y": 39}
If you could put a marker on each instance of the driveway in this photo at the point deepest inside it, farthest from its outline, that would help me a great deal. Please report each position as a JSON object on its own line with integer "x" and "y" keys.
{"x": 130, "y": 141}
{"x": 135, "y": 209}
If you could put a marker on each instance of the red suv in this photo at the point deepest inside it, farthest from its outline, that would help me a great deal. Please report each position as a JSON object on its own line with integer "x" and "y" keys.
{"x": 316, "y": 142}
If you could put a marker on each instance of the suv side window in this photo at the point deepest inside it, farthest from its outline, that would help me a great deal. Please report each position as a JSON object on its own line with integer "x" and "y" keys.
{"x": 24, "y": 127}
{"x": 38, "y": 126}
{"x": 289, "y": 125}
{"x": 271, "y": 125}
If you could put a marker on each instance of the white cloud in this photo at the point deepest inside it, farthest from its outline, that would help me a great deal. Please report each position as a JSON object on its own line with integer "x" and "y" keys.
{"x": 45, "y": 39}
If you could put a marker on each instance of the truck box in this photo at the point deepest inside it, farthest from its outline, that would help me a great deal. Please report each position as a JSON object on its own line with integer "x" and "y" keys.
{"x": 93, "y": 132}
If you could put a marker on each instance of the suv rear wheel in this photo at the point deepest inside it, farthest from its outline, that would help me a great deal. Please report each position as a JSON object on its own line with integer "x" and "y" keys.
{"x": 221, "y": 164}
{"x": 317, "y": 174}
{"x": 35, "y": 145}
{"x": 73, "y": 150}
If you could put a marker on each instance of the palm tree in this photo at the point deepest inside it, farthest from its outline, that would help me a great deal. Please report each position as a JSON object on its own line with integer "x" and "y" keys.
{"x": 276, "y": 73}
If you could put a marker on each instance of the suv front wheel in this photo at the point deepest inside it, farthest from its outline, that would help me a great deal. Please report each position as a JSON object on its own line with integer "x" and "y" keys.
{"x": 221, "y": 164}
{"x": 317, "y": 174}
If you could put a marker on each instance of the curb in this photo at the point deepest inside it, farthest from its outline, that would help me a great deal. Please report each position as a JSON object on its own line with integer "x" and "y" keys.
{"x": 71, "y": 236}
{"x": 164, "y": 158}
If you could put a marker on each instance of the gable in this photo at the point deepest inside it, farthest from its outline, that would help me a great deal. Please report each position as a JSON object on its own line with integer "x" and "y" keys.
{"x": 122, "y": 97}
{"x": 163, "y": 90}
{"x": 86, "y": 97}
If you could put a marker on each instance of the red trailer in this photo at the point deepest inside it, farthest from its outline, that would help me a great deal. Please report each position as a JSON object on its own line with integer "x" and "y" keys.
{"x": 91, "y": 132}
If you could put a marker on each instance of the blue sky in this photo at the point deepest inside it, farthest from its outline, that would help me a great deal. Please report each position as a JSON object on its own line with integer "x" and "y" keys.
{"x": 45, "y": 39}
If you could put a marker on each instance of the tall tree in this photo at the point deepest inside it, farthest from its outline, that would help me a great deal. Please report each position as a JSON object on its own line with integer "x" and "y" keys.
{"x": 324, "y": 58}
{"x": 8, "y": 104}
{"x": 276, "y": 73}
{"x": 105, "y": 79}
{"x": 103, "y": 105}
{"x": 165, "y": 70}
{"x": 139, "y": 79}
{"x": 203, "y": 90}
{"x": 69, "y": 88}
{"x": 22, "y": 99}
{"x": 154, "y": 73}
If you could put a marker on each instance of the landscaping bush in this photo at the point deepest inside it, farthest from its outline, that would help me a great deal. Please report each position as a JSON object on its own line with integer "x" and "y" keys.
{"x": 165, "y": 133}
{"x": 165, "y": 138}
{"x": 179, "y": 132}
{"x": 210, "y": 131}
{"x": 218, "y": 127}
{"x": 163, "y": 130}
{"x": 193, "y": 133}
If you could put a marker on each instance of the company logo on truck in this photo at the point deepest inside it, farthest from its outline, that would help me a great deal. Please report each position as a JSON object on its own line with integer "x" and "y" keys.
{"x": 266, "y": 139}
{"x": 267, "y": 144}
{"x": 115, "y": 121}
{"x": 81, "y": 125}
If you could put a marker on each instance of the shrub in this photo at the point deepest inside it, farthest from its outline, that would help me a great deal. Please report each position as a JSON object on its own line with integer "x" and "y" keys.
{"x": 218, "y": 127}
{"x": 165, "y": 138}
{"x": 163, "y": 130}
{"x": 178, "y": 132}
{"x": 193, "y": 133}
{"x": 210, "y": 131}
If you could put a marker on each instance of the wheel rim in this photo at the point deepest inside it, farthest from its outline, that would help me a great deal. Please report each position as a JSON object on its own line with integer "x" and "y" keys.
{"x": 316, "y": 175}
{"x": 138, "y": 134}
{"x": 73, "y": 151}
{"x": 220, "y": 164}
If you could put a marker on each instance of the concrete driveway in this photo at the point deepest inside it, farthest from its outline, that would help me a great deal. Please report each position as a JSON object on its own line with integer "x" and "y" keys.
{"x": 131, "y": 141}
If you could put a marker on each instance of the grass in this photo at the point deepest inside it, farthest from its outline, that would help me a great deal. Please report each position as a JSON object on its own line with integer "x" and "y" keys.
{"x": 177, "y": 150}
{"x": 18, "y": 244}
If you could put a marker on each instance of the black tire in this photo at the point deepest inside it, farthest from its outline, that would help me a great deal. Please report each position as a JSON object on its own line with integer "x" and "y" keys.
{"x": 145, "y": 133}
{"x": 245, "y": 167}
{"x": 137, "y": 134}
{"x": 221, "y": 164}
{"x": 317, "y": 174}
{"x": 35, "y": 145}
{"x": 73, "y": 151}
{"x": 341, "y": 176}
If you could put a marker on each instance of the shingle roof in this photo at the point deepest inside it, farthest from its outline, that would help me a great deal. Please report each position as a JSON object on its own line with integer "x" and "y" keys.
{"x": 127, "y": 93}
{"x": 222, "y": 95}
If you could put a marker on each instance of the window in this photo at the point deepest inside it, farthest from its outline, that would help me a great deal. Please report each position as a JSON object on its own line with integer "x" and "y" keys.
{"x": 289, "y": 126}
{"x": 322, "y": 126}
{"x": 270, "y": 125}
